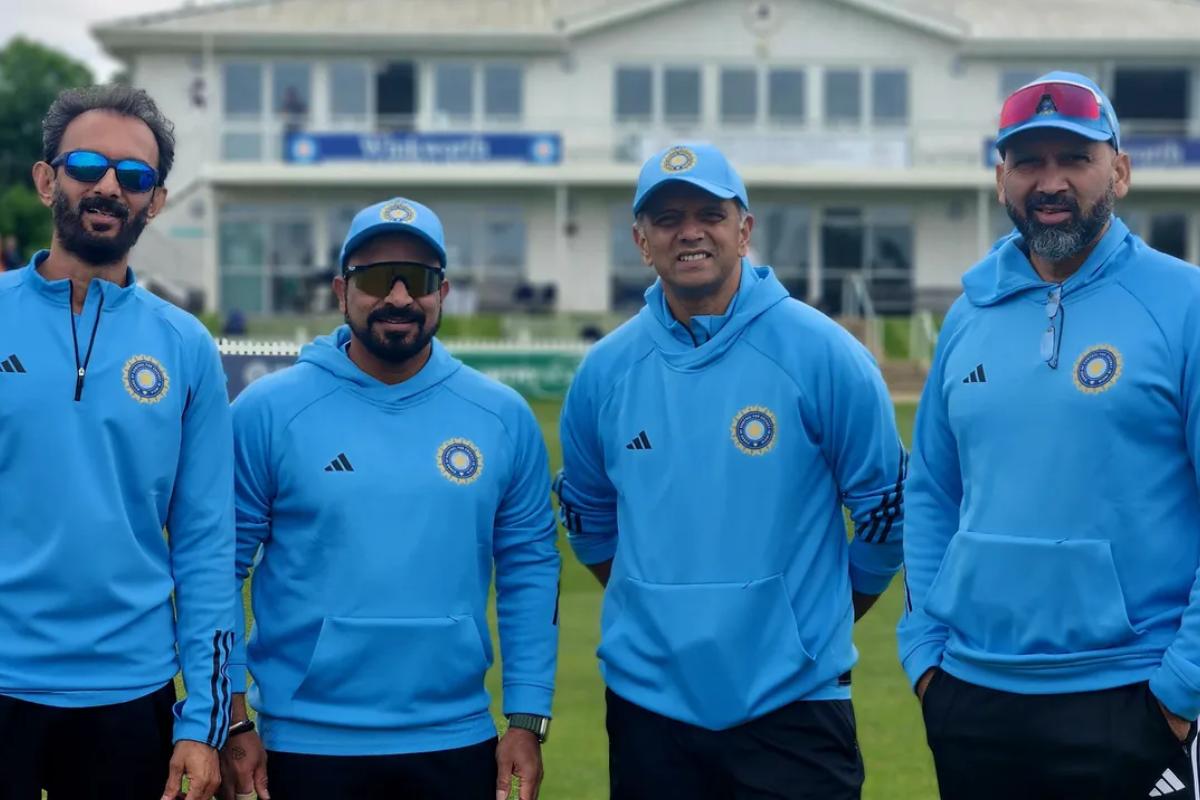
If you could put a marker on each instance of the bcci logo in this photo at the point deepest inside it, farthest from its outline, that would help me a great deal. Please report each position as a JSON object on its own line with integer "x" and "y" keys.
{"x": 460, "y": 461}
{"x": 145, "y": 379}
{"x": 398, "y": 211}
{"x": 1098, "y": 369}
{"x": 753, "y": 430}
{"x": 678, "y": 159}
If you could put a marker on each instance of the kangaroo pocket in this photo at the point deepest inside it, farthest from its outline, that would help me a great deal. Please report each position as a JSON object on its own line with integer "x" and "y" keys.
{"x": 394, "y": 673}
{"x": 709, "y": 653}
{"x": 1022, "y": 597}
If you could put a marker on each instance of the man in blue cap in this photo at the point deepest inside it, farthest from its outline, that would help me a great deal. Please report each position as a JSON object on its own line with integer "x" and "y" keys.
{"x": 379, "y": 483}
{"x": 1052, "y": 630}
{"x": 709, "y": 446}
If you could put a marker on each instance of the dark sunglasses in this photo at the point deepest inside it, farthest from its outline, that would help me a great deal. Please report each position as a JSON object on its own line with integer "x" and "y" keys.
{"x": 1070, "y": 100}
{"x": 377, "y": 279}
{"x": 87, "y": 166}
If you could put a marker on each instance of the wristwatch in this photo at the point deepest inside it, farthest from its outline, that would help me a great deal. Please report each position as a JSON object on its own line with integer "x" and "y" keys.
{"x": 538, "y": 726}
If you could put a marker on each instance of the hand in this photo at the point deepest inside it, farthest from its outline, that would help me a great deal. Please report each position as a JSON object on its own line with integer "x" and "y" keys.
{"x": 923, "y": 684}
{"x": 1180, "y": 726}
{"x": 244, "y": 767}
{"x": 199, "y": 762}
{"x": 520, "y": 754}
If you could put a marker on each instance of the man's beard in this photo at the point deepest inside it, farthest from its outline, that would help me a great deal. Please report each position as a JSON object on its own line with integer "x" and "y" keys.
{"x": 1066, "y": 239}
{"x": 394, "y": 348}
{"x": 99, "y": 251}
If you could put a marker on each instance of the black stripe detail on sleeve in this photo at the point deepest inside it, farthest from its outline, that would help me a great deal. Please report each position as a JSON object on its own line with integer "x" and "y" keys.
{"x": 557, "y": 597}
{"x": 226, "y": 696}
{"x": 211, "y": 739}
{"x": 883, "y": 516}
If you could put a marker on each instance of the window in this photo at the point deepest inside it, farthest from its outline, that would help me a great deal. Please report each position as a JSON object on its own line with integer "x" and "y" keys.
{"x": 348, "y": 89}
{"x": 243, "y": 89}
{"x": 1152, "y": 100}
{"x": 241, "y": 146}
{"x": 843, "y": 100}
{"x": 291, "y": 90}
{"x": 889, "y": 97}
{"x": 502, "y": 91}
{"x": 891, "y": 240}
{"x": 1168, "y": 233}
{"x": 781, "y": 238}
{"x": 842, "y": 235}
{"x": 634, "y": 97}
{"x": 739, "y": 95}
{"x": 681, "y": 94}
{"x": 267, "y": 259}
{"x": 485, "y": 241}
{"x": 453, "y": 93}
{"x": 396, "y": 96}
{"x": 785, "y": 95}
{"x": 629, "y": 274}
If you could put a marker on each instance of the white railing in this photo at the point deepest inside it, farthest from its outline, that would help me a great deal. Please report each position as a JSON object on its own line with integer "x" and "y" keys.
{"x": 856, "y": 302}
{"x": 922, "y": 338}
{"x": 264, "y": 347}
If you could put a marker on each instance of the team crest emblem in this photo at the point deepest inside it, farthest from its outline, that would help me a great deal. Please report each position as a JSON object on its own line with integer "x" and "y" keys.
{"x": 460, "y": 461}
{"x": 753, "y": 430}
{"x": 145, "y": 379}
{"x": 1098, "y": 369}
{"x": 398, "y": 211}
{"x": 678, "y": 159}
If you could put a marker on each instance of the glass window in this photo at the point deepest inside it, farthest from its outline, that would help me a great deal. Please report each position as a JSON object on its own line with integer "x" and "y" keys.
{"x": 241, "y": 147}
{"x": 842, "y": 237}
{"x": 785, "y": 90}
{"x": 623, "y": 253}
{"x": 889, "y": 97}
{"x": 739, "y": 95}
{"x": 843, "y": 98}
{"x": 243, "y": 89}
{"x": 891, "y": 240}
{"x": 1152, "y": 100}
{"x": 453, "y": 92}
{"x": 1168, "y": 233}
{"x": 242, "y": 249}
{"x": 504, "y": 233}
{"x": 681, "y": 94}
{"x": 503, "y": 91}
{"x": 339, "y": 220}
{"x": 781, "y": 236}
{"x": 634, "y": 97}
{"x": 348, "y": 89}
{"x": 457, "y": 221}
{"x": 292, "y": 244}
{"x": 292, "y": 89}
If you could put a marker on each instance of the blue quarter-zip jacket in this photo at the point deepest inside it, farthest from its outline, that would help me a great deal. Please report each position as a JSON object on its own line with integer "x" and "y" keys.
{"x": 87, "y": 486}
{"x": 380, "y": 512}
{"x": 711, "y": 462}
{"x": 1052, "y": 541}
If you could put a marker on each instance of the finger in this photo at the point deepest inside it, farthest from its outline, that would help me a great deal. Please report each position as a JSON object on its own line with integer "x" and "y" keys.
{"x": 174, "y": 781}
{"x": 260, "y": 779}
{"x": 503, "y": 782}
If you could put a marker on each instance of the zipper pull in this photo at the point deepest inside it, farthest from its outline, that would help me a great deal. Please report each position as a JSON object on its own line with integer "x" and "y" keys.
{"x": 79, "y": 384}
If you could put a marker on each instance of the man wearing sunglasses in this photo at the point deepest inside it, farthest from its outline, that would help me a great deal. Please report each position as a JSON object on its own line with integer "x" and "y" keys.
{"x": 1052, "y": 630}
{"x": 383, "y": 482}
{"x": 114, "y": 424}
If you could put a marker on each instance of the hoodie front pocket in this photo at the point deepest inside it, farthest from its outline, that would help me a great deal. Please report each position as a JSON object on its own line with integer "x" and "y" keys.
{"x": 394, "y": 673}
{"x": 712, "y": 651}
{"x": 1015, "y": 596}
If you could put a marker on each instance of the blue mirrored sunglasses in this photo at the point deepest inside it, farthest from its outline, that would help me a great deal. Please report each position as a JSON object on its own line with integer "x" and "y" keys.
{"x": 88, "y": 166}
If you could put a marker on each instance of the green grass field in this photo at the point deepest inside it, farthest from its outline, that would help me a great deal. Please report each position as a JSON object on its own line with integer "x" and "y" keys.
{"x": 889, "y": 721}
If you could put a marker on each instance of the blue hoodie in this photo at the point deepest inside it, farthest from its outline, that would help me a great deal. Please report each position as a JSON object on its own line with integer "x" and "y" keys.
{"x": 87, "y": 577}
{"x": 1052, "y": 519}
{"x": 380, "y": 511}
{"x": 712, "y": 465}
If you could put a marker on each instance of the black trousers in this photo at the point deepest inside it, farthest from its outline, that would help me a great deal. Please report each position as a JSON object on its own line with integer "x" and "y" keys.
{"x": 98, "y": 753}
{"x": 803, "y": 751}
{"x": 465, "y": 773}
{"x": 1113, "y": 744}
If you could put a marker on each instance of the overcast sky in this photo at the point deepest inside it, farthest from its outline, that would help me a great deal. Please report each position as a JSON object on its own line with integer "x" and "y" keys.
{"x": 64, "y": 24}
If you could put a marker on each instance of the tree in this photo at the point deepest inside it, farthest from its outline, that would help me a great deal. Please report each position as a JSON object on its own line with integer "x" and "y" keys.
{"x": 31, "y": 76}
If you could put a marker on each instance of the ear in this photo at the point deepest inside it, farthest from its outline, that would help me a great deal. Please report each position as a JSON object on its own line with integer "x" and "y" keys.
{"x": 339, "y": 291}
{"x": 1000, "y": 183}
{"x": 444, "y": 289}
{"x": 158, "y": 199}
{"x": 642, "y": 244}
{"x": 744, "y": 235}
{"x": 43, "y": 181}
{"x": 1122, "y": 174}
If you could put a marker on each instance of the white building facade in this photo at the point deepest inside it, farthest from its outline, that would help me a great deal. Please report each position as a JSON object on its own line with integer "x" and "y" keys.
{"x": 862, "y": 129}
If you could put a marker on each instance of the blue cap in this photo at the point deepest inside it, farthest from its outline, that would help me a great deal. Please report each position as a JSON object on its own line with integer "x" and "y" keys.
{"x": 398, "y": 215}
{"x": 1104, "y": 129}
{"x": 701, "y": 165}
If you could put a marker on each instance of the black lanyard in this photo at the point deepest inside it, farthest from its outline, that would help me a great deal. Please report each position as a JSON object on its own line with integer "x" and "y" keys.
{"x": 81, "y": 369}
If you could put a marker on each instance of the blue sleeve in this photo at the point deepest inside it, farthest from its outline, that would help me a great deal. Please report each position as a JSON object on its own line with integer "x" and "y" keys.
{"x": 527, "y": 575}
{"x": 254, "y": 492}
{"x": 859, "y": 440}
{"x": 200, "y": 528}
{"x": 587, "y": 500}
{"x": 934, "y": 497}
{"x": 1176, "y": 682}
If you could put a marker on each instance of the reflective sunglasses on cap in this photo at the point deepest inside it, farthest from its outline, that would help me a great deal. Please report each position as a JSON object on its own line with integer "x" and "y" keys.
{"x": 87, "y": 166}
{"x": 1069, "y": 99}
{"x": 377, "y": 279}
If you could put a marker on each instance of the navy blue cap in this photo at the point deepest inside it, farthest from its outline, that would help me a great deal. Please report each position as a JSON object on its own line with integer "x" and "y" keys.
{"x": 1104, "y": 129}
{"x": 701, "y": 165}
{"x": 398, "y": 215}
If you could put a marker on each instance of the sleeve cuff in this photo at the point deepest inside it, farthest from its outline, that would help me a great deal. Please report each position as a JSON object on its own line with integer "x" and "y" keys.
{"x": 865, "y": 581}
{"x": 925, "y": 656}
{"x": 527, "y": 698}
{"x": 593, "y": 549}
{"x": 1173, "y": 691}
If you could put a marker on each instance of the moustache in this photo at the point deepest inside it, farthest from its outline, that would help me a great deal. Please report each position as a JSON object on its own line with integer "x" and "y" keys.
{"x": 104, "y": 205}
{"x": 1065, "y": 202}
{"x": 391, "y": 314}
